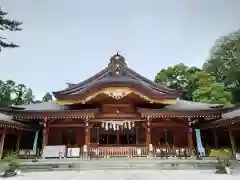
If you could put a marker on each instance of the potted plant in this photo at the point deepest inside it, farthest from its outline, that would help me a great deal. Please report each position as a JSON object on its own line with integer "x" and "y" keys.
{"x": 223, "y": 166}
{"x": 227, "y": 164}
{"x": 13, "y": 164}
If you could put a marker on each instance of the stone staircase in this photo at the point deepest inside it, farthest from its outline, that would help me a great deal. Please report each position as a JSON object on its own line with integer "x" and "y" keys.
{"x": 117, "y": 163}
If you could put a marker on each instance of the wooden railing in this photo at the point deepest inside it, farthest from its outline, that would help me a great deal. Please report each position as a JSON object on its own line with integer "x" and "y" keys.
{"x": 118, "y": 151}
{"x": 159, "y": 151}
{"x": 139, "y": 151}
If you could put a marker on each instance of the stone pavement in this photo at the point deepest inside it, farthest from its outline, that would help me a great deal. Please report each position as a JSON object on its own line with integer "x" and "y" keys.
{"x": 128, "y": 175}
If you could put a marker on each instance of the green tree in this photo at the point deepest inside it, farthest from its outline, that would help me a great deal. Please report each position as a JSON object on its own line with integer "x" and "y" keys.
{"x": 207, "y": 90}
{"x": 224, "y": 63}
{"x": 6, "y": 92}
{"x": 47, "y": 97}
{"x": 15, "y": 94}
{"x": 178, "y": 77}
{"x": 10, "y": 25}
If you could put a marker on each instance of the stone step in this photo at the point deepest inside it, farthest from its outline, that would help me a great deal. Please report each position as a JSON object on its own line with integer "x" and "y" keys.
{"x": 100, "y": 165}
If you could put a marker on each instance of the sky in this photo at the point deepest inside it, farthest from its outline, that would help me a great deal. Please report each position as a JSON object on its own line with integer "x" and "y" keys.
{"x": 67, "y": 41}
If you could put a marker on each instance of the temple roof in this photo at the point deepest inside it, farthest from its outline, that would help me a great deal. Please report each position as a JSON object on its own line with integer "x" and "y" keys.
{"x": 232, "y": 114}
{"x": 190, "y": 105}
{"x": 43, "y": 106}
{"x": 180, "y": 105}
{"x": 7, "y": 120}
{"x": 118, "y": 73}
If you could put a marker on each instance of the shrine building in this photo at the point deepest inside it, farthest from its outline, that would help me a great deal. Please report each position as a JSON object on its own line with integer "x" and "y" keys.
{"x": 116, "y": 112}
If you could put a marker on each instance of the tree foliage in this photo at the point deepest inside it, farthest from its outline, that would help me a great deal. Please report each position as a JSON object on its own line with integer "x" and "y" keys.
{"x": 195, "y": 84}
{"x": 10, "y": 25}
{"x": 178, "y": 77}
{"x": 224, "y": 63}
{"x": 15, "y": 94}
{"x": 207, "y": 90}
{"x": 12, "y": 93}
{"x": 47, "y": 97}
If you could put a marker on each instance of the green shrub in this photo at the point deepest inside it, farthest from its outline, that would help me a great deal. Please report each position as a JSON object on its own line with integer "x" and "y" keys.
{"x": 12, "y": 159}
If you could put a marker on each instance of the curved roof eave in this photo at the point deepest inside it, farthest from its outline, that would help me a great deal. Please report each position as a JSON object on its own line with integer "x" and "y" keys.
{"x": 155, "y": 85}
{"x": 110, "y": 68}
{"x": 80, "y": 85}
{"x": 121, "y": 82}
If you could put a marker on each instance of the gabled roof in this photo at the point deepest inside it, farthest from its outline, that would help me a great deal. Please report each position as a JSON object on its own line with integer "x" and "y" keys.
{"x": 7, "y": 120}
{"x": 118, "y": 73}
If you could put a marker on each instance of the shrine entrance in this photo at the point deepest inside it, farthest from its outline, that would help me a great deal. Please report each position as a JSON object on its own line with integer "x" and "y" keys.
{"x": 125, "y": 137}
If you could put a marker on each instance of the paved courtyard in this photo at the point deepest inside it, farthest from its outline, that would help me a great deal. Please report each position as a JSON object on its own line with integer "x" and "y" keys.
{"x": 127, "y": 175}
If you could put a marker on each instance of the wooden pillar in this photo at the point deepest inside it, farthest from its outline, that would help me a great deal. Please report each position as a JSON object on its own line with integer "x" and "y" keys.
{"x": 45, "y": 134}
{"x": 136, "y": 135}
{"x": 118, "y": 140}
{"x": 233, "y": 143}
{"x": 18, "y": 141}
{"x": 215, "y": 139}
{"x": 3, "y": 135}
{"x": 148, "y": 132}
{"x": 190, "y": 140}
{"x": 98, "y": 135}
{"x": 87, "y": 133}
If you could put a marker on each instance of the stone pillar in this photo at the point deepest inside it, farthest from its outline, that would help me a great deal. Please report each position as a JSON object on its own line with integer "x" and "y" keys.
{"x": 215, "y": 139}
{"x": 3, "y": 135}
{"x": 18, "y": 141}
{"x": 233, "y": 143}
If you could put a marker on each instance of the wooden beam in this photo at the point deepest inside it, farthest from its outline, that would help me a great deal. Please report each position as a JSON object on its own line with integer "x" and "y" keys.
{"x": 65, "y": 125}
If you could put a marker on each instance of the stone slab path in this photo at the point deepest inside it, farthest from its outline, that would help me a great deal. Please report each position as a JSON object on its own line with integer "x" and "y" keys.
{"x": 128, "y": 175}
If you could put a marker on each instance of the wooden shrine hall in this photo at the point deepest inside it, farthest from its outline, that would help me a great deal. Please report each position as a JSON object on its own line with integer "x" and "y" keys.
{"x": 117, "y": 112}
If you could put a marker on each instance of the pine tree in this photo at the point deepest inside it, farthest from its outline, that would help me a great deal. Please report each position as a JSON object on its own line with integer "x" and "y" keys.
{"x": 10, "y": 25}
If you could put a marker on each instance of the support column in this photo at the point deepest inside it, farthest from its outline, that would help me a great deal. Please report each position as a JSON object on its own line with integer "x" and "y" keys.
{"x": 45, "y": 135}
{"x": 3, "y": 135}
{"x": 87, "y": 139}
{"x": 18, "y": 141}
{"x": 136, "y": 135}
{"x": 190, "y": 140}
{"x": 148, "y": 132}
{"x": 233, "y": 144}
{"x": 190, "y": 137}
{"x": 118, "y": 140}
{"x": 215, "y": 139}
{"x": 148, "y": 137}
{"x": 87, "y": 133}
{"x": 98, "y": 135}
